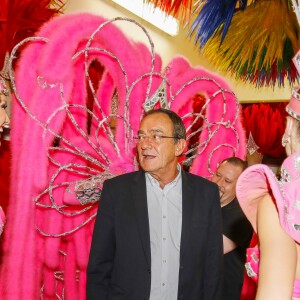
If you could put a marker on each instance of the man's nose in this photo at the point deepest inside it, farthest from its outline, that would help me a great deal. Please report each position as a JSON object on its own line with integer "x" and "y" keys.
{"x": 146, "y": 143}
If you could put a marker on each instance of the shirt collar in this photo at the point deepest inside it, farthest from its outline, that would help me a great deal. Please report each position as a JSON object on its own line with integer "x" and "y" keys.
{"x": 155, "y": 182}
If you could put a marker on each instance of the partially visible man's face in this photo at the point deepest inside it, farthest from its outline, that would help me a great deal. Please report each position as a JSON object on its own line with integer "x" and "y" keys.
{"x": 226, "y": 177}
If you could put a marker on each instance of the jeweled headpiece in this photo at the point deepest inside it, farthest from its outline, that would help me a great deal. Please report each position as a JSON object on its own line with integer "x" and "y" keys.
{"x": 3, "y": 88}
{"x": 296, "y": 61}
{"x": 159, "y": 96}
{"x": 293, "y": 108}
{"x": 251, "y": 145}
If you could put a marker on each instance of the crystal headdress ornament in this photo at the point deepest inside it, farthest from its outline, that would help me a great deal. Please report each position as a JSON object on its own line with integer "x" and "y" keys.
{"x": 251, "y": 145}
{"x": 80, "y": 106}
{"x": 4, "y": 76}
{"x": 3, "y": 88}
{"x": 158, "y": 97}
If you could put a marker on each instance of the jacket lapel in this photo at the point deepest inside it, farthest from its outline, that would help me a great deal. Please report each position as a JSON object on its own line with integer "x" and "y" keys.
{"x": 139, "y": 196}
{"x": 187, "y": 213}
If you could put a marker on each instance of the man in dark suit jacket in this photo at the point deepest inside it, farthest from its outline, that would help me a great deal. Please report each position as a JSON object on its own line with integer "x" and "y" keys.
{"x": 158, "y": 232}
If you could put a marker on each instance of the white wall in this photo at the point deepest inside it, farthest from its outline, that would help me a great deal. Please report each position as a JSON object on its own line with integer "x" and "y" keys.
{"x": 168, "y": 47}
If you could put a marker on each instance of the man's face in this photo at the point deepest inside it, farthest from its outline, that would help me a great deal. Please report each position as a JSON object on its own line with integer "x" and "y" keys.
{"x": 158, "y": 158}
{"x": 226, "y": 177}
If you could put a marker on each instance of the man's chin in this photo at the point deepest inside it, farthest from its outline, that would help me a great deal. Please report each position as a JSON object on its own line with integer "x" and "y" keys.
{"x": 147, "y": 166}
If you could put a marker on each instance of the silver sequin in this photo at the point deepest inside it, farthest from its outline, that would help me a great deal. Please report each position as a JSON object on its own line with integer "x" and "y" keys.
{"x": 249, "y": 270}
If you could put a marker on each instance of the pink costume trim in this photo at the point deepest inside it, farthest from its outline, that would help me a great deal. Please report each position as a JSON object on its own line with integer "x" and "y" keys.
{"x": 252, "y": 268}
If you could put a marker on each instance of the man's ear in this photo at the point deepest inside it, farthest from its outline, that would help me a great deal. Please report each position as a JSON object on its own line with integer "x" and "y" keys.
{"x": 180, "y": 147}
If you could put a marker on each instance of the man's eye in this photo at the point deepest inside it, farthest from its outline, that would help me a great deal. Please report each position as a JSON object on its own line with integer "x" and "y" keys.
{"x": 141, "y": 137}
{"x": 156, "y": 137}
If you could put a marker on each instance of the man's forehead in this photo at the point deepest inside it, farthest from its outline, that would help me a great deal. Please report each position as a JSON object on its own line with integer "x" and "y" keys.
{"x": 157, "y": 116}
{"x": 228, "y": 164}
{"x": 230, "y": 169}
{"x": 156, "y": 122}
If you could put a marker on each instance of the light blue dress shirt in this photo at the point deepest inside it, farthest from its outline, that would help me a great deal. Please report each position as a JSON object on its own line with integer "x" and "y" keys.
{"x": 165, "y": 221}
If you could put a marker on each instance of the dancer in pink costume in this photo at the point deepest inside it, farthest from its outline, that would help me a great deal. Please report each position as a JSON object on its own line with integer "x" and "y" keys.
{"x": 273, "y": 208}
{"x": 64, "y": 147}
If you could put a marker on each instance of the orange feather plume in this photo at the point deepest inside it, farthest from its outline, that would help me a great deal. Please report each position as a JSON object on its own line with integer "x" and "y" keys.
{"x": 179, "y": 9}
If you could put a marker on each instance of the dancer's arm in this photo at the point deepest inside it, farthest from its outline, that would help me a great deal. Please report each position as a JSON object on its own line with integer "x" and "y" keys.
{"x": 278, "y": 256}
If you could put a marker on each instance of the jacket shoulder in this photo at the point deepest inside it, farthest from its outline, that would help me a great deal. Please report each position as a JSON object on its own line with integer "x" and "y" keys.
{"x": 125, "y": 178}
{"x": 200, "y": 180}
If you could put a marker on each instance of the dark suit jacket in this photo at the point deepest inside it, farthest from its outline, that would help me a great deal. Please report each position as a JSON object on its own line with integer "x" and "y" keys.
{"x": 120, "y": 258}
